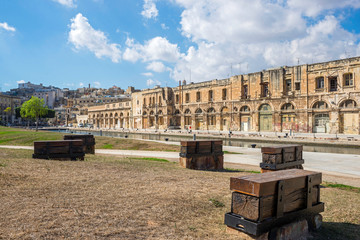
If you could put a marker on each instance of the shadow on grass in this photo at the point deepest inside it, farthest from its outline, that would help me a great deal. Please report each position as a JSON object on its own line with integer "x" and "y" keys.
{"x": 337, "y": 231}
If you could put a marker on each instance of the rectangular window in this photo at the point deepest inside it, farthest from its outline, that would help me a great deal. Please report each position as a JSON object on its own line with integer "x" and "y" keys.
{"x": 348, "y": 79}
{"x": 177, "y": 98}
{"x": 210, "y": 95}
{"x": 187, "y": 97}
{"x": 245, "y": 91}
{"x": 320, "y": 82}
{"x": 224, "y": 94}
{"x": 265, "y": 90}
{"x": 288, "y": 85}
{"x": 198, "y": 97}
{"x": 333, "y": 83}
{"x": 297, "y": 86}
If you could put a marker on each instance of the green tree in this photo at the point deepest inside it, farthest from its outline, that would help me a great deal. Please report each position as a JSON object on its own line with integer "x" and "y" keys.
{"x": 8, "y": 112}
{"x": 34, "y": 108}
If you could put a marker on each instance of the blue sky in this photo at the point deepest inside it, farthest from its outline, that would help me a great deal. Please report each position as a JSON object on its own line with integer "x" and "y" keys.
{"x": 141, "y": 43}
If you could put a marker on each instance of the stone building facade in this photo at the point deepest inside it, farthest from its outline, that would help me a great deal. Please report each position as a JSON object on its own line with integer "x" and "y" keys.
{"x": 319, "y": 98}
{"x": 111, "y": 116}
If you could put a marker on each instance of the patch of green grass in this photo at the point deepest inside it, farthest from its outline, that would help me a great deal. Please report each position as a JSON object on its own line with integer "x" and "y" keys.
{"x": 107, "y": 146}
{"x": 240, "y": 170}
{"x": 216, "y": 203}
{"x": 227, "y": 152}
{"x": 3, "y": 165}
{"x": 150, "y": 159}
{"x": 341, "y": 186}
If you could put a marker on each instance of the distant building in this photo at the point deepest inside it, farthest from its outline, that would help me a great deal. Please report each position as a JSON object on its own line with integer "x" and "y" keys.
{"x": 10, "y": 103}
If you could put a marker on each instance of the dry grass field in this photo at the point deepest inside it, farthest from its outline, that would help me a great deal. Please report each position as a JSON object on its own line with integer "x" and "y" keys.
{"x": 107, "y": 197}
{"x": 23, "y": 137}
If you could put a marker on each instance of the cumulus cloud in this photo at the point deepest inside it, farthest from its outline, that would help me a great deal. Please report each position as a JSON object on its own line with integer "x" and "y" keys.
{"x": 149, "y": 9}
{"x": 6, "y": 26}
{"x": 155, "y": 49}
{"x": 67, "y": 3}
{"x": 239, "y": 36}
{"x": 151, "y": 82}
{"x": 313, "y": 8}
{"x": 97, "y": 84}
{"x": 157, "y": 67}
{"x": 81, "y": 84}
{"x": 21, "y": 81}
{"x": 83, "y": 36}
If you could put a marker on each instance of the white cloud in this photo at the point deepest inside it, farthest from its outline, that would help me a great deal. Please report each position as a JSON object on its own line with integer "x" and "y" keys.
{"x": 157, "y": 67}
{"x": 313, "y": 8}
{"x": 67, "y": 3}
{"x": 97, "y": 84}
{"x": 239, "y": 36}
{"x": 150, "y": 10}
{"x": 81, "y": 84}
{"x": 21, "y": 81}
{"x": 7, "y": 84}
{"x": 155, "y": 49}
{"x": 151, "y": 82}
{"x": 83, "y": 35}
{"x": 147, "y": 74}
{"x": 6, "y": 26}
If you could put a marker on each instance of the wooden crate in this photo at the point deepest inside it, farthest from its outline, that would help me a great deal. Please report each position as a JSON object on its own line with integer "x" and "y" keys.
{"x": 206, "y": 162}
{"x": 203, "y": 154}
{"x": 281, "y": 157}
{"x": 66, "y": 149}
{"x": 256, "y": 197}
{"x": 262, "y": 202}
{"x": 88, "y": 141}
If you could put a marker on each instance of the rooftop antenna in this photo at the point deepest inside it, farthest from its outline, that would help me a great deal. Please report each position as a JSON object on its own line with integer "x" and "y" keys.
{"x": 298, "y": 61}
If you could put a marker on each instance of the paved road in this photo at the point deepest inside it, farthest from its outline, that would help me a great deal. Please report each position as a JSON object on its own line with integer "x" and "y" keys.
{"x": 336, "y": 164}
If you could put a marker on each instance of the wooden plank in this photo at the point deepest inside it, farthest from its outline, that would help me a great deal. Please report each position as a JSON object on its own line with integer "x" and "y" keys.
{"x": 261, "y": 208}
{"x": 265, "y": 184}
{"x": 272, "y": 158}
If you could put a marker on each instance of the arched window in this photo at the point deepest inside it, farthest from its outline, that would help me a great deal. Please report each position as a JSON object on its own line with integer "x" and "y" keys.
{"x": 348, "y": 104}
{"x": 211, "y": 117}
{"x": 187, "y": 111}
{"x": 198, "y": 111}
{"x": 177, "y": 112}
{"x": 287, "y": 107}
{"x": 265, "y": 108}
{"x": 320, "y": 105}
{"x": 244, "y": 109}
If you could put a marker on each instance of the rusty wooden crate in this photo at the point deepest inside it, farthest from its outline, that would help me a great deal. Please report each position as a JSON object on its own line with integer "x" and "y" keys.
{"x": 281, "y": 157}
{"x": 203, "y": 154}
{"x": 88, "y": 141}
{"x": 263, "y": 201}
{"x": 66, "y": 149}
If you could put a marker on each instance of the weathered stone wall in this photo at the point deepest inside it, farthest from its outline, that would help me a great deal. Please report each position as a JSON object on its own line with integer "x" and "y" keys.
{"x": 321, "y": 97}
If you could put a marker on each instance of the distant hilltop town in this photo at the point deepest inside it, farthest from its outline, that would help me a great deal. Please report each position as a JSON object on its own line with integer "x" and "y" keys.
{"x": 320, "y": 98}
